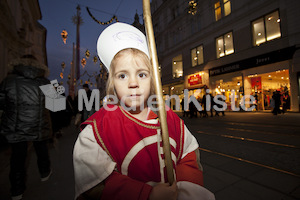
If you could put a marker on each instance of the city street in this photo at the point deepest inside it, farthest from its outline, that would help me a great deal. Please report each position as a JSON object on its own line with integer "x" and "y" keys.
{"x": 246, "y": 156}
{"x": 250, "y": 155}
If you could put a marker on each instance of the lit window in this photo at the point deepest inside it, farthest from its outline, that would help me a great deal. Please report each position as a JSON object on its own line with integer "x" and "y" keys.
{"x": 272, "y": 26}
{"x": 218, "y": 11}
{"x": 266, "y": 28}
{"x": 259, "y": 31}
{"x": 197, "y": 56}
{"x": 177, "y": 66}
{"x": 227, "y": 7}
{"x": 224, "y": 5}
{"x": 224, "y": 45}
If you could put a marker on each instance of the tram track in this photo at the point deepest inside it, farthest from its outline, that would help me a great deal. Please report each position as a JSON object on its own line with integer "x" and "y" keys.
{"x": 260, "y": 125}
{"x": 261, "y": 131}
{"x": 250, "y": 162}
{"x": 277, "y": 156}
{"x": 250, "y": 139}
{"x": 268, "y": 142}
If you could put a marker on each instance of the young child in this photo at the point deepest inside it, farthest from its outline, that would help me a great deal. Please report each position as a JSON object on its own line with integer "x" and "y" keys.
{"x": 118, "y": 154}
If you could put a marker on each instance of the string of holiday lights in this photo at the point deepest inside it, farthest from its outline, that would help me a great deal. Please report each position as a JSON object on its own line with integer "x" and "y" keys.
{"x": 102, "y": 23}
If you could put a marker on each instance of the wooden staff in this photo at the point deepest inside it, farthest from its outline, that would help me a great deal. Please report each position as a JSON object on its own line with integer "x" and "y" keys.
{"x": 158, "y": 90}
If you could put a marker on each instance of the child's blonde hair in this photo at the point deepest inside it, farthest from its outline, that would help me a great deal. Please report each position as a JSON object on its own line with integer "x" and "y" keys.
{"x": 137, "y": 54}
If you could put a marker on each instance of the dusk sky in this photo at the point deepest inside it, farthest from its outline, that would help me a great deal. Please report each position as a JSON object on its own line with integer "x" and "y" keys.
{"x": 57, "y": 16}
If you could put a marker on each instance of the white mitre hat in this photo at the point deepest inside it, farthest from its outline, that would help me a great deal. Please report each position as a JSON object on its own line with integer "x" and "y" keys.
{"x": 117, "y": 37}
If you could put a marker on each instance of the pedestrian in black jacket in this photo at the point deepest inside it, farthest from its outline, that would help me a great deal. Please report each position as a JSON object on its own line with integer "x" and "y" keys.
{"x": 25, "y": 119}
{"x": 277, "y": 100}
{"x": 208, "y": 103}
{"x": 87, "y": 113}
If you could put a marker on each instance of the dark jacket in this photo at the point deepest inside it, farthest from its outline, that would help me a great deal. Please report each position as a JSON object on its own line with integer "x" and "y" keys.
{"x": 24, "y": 117}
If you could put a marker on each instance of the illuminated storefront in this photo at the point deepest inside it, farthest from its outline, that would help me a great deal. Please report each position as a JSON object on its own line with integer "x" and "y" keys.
{"x": 196, "y": 84}
{"x": 264, "y": 85}
{"x": 228, "y": 87}
{"x": 259, "y": 76}
{"x": 173, "y": 89}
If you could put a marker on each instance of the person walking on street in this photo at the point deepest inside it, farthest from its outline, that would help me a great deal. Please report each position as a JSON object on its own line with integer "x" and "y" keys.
{"x": 286, "y": 102}
{"x": 208, "y": 103}
{"x": 87, "y": 113}
{"x": 185, "y": 113}
{"x": 25, "y": 119}
{"x": 192, "y": 107}
{"x": 277, "y": 101}
{"x": 219, "y": 105}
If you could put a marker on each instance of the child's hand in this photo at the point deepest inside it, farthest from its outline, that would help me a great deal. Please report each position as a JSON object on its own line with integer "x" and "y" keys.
{"x": 164, "y": 191}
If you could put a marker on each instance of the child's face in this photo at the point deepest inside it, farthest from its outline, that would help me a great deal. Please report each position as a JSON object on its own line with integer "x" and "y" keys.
{"x": 132, "y": 81}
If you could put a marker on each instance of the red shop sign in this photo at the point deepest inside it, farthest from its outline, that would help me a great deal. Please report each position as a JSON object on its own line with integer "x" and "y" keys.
{"x": 195, "y": 79}
{"x": 256, "y": 82}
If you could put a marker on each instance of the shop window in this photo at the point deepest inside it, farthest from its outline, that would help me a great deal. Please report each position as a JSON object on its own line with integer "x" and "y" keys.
{"x": 228, "y": 88}
{"x": 224, "y": 45}
{"x": 226, "y": 5}
{"x": 263, "y": 86}
{"x": 177, "y": 66}
{"x": 197, "y": 56}
{"x": 266, "y": 28}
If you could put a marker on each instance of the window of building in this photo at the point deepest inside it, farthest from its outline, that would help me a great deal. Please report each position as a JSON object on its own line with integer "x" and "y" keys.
{"x": 222, "y": 8}
{"x": 227, "y": 7}
{"x": 266, "y": 28}
{"x": 175, "y": 12}
{"x": 224, "y": 45}
{"x": 177, "y": 66}
{"x": 218, "y": 13}
{"x": 197, "y": 56}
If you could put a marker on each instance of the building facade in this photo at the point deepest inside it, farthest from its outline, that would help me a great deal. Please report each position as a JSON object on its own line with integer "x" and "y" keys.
{"x": 232, "y": 47}
{"x": 20, "y": 32}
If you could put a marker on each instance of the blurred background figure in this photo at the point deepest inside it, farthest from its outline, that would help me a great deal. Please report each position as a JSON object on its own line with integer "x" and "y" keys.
{"x": 87, "y": 113}
{"x": 277, "y": 102}
{"x": 192, "y": 107}
{"x": 62, "y": 118}
{"x": 286, "y": 104}
{"x": 185, "y": 113}
{"x": 25, "y": 119}
{"x": 207, "y": 101}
